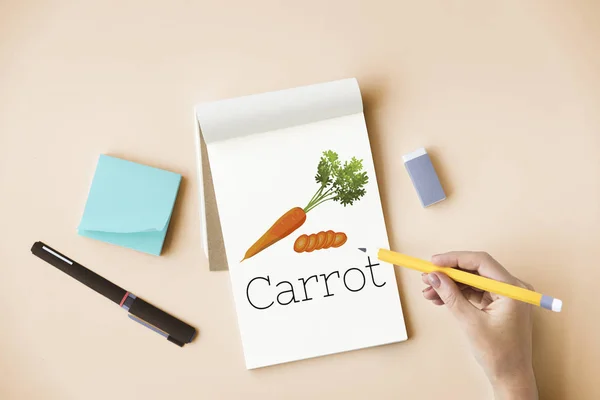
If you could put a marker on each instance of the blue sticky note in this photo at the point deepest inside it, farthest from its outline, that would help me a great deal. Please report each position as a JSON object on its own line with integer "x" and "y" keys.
{"x": 130, "y": 205}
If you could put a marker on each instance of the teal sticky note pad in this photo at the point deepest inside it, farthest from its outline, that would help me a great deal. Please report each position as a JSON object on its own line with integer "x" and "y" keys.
{"x": 129, "y": 204}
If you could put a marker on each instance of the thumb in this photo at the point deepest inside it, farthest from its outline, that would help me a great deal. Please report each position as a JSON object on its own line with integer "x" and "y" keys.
{"x": 450, "y": 294}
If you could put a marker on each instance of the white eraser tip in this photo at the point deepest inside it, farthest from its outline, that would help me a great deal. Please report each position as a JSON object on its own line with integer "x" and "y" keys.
{"x": 411, "y": 156}
{"x": 556, "y": 305}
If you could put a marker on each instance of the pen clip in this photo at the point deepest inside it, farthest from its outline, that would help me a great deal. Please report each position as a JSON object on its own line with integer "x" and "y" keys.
{"x": 147, "y": 325}
{"x": 155, "y": 329}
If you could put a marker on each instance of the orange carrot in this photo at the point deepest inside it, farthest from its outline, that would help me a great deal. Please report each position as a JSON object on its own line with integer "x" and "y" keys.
{"x": 301, "y": 243}
{"x": 329, "y": 240}
{"x": 312, "y": 243}
{"x": 341, "y": 182}
{"x": 321, "y": 236}
{"x": 286, "y": 224}
{"x": 340, "y": 239}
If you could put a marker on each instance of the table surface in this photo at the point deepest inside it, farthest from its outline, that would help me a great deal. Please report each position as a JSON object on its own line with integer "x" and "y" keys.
{"x": 505, "y": 95}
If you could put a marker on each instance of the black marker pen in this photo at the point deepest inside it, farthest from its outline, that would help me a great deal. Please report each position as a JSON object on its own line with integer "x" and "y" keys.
{"x": 173, "y": 329}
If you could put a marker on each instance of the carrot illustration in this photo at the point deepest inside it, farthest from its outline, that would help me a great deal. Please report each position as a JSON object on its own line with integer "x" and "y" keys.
{"x": 286, "y": 224}
{"x": 312, "y": 243}
{"x": 329, "y": 240}
{"x": 340, "y": 239}
{"x": 318, "y": 241}
{"x": 301, "y": 243}
{"x": 321, "y": 236}
{"x": 341, "y": 182}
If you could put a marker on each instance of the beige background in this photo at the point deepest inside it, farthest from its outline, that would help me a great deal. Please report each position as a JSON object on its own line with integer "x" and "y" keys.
{"x": 506, "y": 95}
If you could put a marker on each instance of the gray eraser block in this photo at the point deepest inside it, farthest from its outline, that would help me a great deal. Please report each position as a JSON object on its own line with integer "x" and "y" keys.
{"x": 423, "y": 176}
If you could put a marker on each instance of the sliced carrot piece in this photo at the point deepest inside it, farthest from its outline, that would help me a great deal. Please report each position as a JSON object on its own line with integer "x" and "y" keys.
{"x": 340, "y": 239}
{"x": 312, "y": 242}
{"x": 321, "y": 236}
{"x": 300, "y": 243}
{"x": 329, "y": 240}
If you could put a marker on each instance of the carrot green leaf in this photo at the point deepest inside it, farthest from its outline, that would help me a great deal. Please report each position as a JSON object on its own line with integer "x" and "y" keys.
{"x": 344, "y": 183}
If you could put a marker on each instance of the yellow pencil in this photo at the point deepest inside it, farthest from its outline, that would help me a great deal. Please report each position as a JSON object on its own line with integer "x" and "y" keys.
{"x": 476, "y": 281}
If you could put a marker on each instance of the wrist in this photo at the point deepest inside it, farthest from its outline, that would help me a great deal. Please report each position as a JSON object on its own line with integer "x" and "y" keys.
{"x": 520, "y": 385}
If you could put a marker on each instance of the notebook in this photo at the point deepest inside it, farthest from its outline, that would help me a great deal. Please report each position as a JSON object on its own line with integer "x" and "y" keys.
{"x": 295, "y": 195}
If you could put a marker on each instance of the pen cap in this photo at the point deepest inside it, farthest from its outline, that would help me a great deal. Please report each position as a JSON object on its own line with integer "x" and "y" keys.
{"x": 175, "y": 328}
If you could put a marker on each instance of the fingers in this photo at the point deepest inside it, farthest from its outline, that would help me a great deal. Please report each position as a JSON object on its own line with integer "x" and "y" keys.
{"x": 425, "y": 279}
{"x": 430, "y": 294}
{"x": 526, "y": 285}
{"x": 475, "y": 297}
{"x": 450, "y": 294}
{"x": 479, "y": 262}
{"x": 461, "y": 286}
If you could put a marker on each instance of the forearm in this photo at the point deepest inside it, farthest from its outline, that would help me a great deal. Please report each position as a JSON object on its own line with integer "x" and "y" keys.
{"x": 518, "y": 387}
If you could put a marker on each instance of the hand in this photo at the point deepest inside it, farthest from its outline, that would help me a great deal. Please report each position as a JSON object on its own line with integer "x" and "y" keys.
{"x": 498, "y": 328}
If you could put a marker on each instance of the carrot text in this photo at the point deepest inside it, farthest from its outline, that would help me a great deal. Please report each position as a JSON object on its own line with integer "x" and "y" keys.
{"x": 306, "y": 289}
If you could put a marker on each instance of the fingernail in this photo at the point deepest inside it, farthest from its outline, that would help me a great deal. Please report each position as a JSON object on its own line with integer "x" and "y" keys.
{"x": 428, "y": 288}
{"x": 434, "y": 280}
